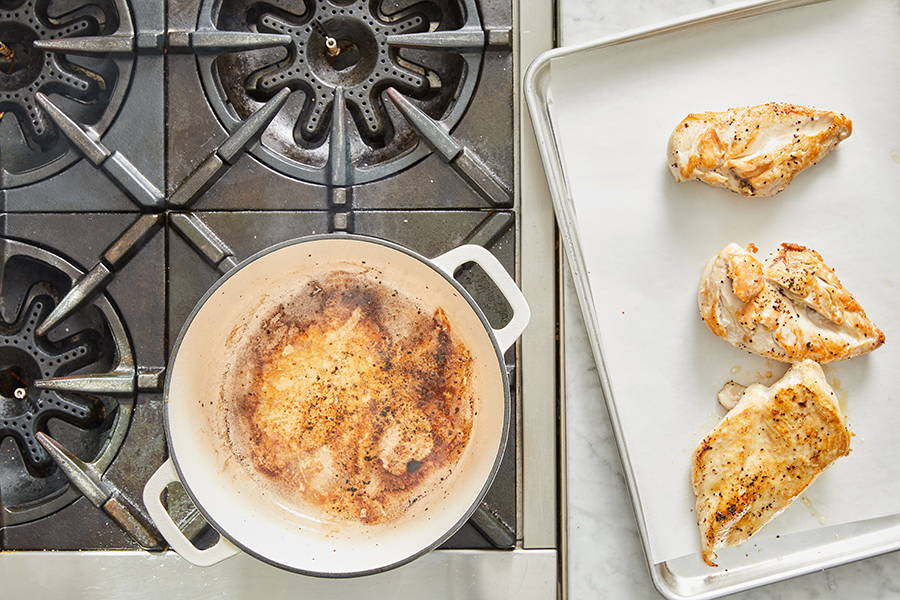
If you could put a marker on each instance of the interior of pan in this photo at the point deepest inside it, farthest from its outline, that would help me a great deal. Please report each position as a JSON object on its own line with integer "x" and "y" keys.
{"x": 229, "y": 494}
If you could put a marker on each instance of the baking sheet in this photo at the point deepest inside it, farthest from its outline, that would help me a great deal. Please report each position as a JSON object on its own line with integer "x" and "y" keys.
{"x": 644, "y": 239}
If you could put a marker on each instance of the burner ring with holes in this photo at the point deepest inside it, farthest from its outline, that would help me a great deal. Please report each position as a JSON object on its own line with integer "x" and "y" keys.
{"x": 440, "y": 80}
{"x": 91, "y": 88}
{"x": 92, "y": 340}
{"x": 24, "y": 358}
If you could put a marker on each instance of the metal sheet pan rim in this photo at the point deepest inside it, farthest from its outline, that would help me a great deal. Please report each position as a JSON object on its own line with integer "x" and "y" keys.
{"x": 537, "y": 93}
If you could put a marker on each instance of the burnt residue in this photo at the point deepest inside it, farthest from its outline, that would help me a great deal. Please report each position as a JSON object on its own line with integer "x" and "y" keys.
{"x": 351, "y": 399}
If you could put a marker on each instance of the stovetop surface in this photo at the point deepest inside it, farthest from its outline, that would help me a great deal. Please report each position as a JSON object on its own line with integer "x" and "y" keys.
{"x": 173, "y": 140}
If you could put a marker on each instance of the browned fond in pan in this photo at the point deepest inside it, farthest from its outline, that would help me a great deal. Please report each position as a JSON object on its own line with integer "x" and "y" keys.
{"x": 352, "y": 399}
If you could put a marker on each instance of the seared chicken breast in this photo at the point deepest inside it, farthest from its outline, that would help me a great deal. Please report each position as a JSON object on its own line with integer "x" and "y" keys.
{"x": 789, "y": 308}
{"x": 754, "y": 150}
{"x": 766, "y": 451}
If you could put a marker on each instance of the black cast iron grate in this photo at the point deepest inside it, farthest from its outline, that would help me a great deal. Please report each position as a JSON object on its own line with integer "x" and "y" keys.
{"x": 341, "y": 57}
{"x": 444, "y": 28}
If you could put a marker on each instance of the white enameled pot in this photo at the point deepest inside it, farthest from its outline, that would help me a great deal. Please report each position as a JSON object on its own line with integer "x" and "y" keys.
{"x": 222, "y": 489}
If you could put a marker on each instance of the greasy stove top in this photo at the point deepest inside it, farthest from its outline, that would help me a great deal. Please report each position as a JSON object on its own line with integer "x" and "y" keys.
{"x": 147, "y": 147}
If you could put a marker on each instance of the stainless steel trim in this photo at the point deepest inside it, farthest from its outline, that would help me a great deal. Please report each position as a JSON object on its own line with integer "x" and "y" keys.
{"x": 538, "y": 259}
{"x": 464, "y": 574}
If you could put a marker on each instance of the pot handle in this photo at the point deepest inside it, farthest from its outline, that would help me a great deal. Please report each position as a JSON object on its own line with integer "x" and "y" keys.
{"x": 221, "y": 550}
{"x": 450, "y": 261}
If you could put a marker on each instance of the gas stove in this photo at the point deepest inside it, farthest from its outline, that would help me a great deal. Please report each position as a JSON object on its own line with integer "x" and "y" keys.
{"x": 146, "y": 148}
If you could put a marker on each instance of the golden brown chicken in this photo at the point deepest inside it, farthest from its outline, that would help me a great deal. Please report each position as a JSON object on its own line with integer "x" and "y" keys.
{"x": 766, "y": 451}
{"x": 789, "y": 308}
{"x": 754, "y": 150}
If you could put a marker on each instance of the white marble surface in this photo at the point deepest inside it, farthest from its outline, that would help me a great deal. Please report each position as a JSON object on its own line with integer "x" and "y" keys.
{"x": 605, "y": 557}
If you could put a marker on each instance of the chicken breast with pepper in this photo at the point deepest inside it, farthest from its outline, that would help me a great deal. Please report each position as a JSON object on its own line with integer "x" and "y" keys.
{"x": 754, "y": 150}
{"x": 789, "y": 308}
{"x": 766, "y": 451}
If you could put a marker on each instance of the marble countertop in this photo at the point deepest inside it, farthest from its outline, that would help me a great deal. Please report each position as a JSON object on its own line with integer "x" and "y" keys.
{"x": 605, "y": 556}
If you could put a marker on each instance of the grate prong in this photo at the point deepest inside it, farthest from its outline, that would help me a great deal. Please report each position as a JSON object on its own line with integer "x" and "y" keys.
{"x": 102, "y": 494}
{"x": 195, "y": 184}
{"x": 93, "y": 44}
{"x": 462, "y": 159}
{"x": 433, "y": 132}
{"x": 87, "y": 142}
{"x": 253, "y": 127}
{"x": 235, "y": 41}
{"x": 114, "y": 383}
{"x": 468, "y": 39}
{"x": 340, "y": 169}
{"x": 115, "y": 164}
{"x": 92, "y": 282}
{"x": 204, "y": 240}
{"x": 89, "y": 284}
{"x": 340, "y": 165}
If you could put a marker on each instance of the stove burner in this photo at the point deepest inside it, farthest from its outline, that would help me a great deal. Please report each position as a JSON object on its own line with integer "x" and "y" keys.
{"x": 351, "y": 51}
{"x": 359, "y": 62}
{"x": 25, "y": 358}
{"x": 31, "y": 71}
{"x": 92, "y": 340}
{"x": 87, "y": 86}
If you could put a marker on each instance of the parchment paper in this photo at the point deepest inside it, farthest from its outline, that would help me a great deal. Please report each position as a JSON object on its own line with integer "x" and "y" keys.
{"x": 645, "y": 238}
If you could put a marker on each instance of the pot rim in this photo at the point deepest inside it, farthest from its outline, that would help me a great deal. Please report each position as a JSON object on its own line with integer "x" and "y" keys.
{"x": 504, "y": 435}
